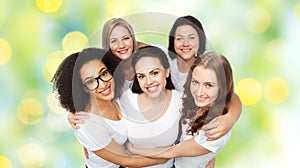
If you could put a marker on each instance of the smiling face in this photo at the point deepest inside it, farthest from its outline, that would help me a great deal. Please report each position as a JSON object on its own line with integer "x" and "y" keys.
{"x": 204, "y": 86}
{"x": 121, "y": 42}
{"x": 151, "y": 76}
{"x": 186, "y": 42}
{"x": 90, "y": 71}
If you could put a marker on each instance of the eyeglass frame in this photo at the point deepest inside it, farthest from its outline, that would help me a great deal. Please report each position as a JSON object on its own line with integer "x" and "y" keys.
{"x": 97, "y": 80}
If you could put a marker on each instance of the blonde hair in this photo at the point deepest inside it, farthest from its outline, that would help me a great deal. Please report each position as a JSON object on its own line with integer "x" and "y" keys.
{"x": 108, "y": 28}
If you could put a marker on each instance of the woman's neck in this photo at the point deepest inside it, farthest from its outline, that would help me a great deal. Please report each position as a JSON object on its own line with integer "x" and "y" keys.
{"x": 107, "y": 109}
{"x": 184, "y": 65}
{"x": 153, "y": 108}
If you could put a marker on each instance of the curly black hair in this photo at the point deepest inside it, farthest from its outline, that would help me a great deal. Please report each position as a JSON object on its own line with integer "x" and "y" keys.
{"x": 220, "y": 65}
{"x": 67, "y": 81}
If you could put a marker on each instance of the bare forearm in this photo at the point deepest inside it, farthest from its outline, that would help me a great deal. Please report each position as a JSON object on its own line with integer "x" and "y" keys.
{"x": 127, "y": 160}
{"x": 234, "y": 108}
{"x": 140, "y": 161}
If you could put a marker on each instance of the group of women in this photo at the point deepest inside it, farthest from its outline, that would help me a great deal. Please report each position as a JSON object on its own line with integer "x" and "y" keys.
{"x": 143, "y": 105}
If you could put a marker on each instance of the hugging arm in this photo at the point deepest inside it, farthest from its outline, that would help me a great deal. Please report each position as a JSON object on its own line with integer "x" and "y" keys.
{"x": 219, "y": 126}
{"x": 77, "y": 118}
{"x": 115, "y": 153}
{"x": 186, "y": 148}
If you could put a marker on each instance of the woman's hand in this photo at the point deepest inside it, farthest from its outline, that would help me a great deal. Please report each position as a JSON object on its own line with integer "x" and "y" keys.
{"x": 211, "y": 163}
{"x": 77, "y": 118}
{"x": 130, "y": 147}
{"x": 218, "y": 127}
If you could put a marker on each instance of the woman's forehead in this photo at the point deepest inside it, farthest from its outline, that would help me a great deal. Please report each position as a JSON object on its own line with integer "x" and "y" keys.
{"x": 148, "y": 64}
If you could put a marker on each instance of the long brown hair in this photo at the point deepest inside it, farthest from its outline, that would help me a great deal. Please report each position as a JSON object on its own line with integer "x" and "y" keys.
{"x": 220, "y": 65}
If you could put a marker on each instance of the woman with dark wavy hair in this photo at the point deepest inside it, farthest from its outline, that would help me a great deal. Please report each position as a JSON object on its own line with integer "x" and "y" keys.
{"x": 84, "y": 82}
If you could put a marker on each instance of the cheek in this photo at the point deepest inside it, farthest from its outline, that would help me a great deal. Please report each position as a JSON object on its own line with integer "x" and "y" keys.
{"x": 214, "y": 93}
{"x": 140, "y": 82}
{"x": 176, "y": 44}
{"x": 113, "y": 48}
{"x": 130, "y": 45}
{"x": 193, "y": 89}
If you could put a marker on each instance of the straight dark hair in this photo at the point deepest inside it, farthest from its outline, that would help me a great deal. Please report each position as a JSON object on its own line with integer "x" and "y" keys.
{"x": 196, "y": 24}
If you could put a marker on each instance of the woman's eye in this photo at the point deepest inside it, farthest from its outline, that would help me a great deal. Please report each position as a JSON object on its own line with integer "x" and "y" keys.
{"x": 126, "y": 38}
{"x": 155, "y": 73}
{"x": 89, "y": 82}
{"x": 104, "y": 73}
{"x": 194, "y": 82}
{"x": 192, "y": 37}
{"x": 140, "y": 76}
{"x": 113, "y": 41}
{"x": 179, "y": 39}
{"x": 209, "y": 85}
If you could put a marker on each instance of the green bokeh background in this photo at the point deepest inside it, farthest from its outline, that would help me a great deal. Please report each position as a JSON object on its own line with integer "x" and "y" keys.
{"x": 260, "y": 39}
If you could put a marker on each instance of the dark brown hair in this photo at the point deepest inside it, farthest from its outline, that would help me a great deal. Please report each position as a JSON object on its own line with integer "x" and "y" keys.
{"x": 196, "y": 24}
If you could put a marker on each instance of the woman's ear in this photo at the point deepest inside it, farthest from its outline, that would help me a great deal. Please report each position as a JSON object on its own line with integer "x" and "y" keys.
{"x": 167, "y": 72}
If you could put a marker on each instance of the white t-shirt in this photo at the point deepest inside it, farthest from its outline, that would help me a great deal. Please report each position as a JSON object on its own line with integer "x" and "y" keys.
{"x": 201, "y": 161}
{"x": 178, "y": 78}
{"x": 96, "y": 133}
{"x": 159, "y": 133}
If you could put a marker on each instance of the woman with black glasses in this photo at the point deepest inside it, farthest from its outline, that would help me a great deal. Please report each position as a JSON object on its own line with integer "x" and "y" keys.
{"x": 84, "y": 82}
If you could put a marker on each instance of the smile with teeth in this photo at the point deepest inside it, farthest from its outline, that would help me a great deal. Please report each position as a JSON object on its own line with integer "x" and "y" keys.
{"x": 186, "y": 50}
{"x": 152, "y": 89}
{"x": 201, "y": 99}
{"x": 123, "y": 51}
{"x": 106, "y": 91}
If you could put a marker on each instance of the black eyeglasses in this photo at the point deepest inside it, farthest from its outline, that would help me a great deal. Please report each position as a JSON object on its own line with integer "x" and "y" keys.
{"x": 93, "y": 84}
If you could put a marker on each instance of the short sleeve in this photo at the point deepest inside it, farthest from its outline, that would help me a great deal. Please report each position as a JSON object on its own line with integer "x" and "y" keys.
{"x": 213, "y": 146}
{"x": 93, "y": 134}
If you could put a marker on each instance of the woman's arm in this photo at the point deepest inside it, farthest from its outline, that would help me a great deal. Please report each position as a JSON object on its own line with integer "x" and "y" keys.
{"x": 186, "y": 148}
{"x": 211, "y": 163}
{"x": 219, "y": 126}
{"x": 141, "y": 44}
{"x": 115, "y": 153}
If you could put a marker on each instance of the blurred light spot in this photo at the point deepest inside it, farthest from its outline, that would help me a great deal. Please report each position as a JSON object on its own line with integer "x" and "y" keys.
{"x": 58, "y": 122}
{"x": 44, "y": 134}
{"x": 32, "y": 155}
{"x": 258, "y": 20}
{"x": 5, "y": 52}
{"x": 52, "y": 64}
{"x": 117, "y": 8}
{"x": 74, "y": 42}
{"x": 4, "y": 162}
{"x": 51, "y": 34}
{"x": 297, "y": 12}
{"x": 269, "y": 127}
{"x": 276, "y": 90}
{"x": 54, "y": 104}
{"x": 48, "y": 6}
{"x": 30, "y": 111}
{"x": 275, "y": 50}
{"x": 249, "y": 91}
